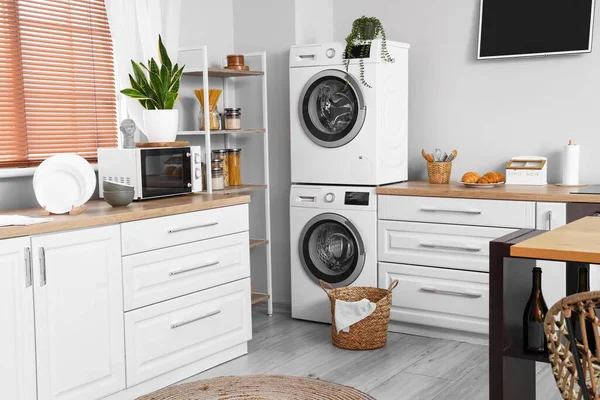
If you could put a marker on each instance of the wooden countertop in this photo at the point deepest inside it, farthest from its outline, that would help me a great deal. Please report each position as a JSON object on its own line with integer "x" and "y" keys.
{"x": 550, "y": 193}
{"x": 577, "y": 242}
{"x": 100, "y": 213}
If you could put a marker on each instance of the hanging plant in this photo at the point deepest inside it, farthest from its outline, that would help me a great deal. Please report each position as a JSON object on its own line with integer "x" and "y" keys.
{"x": 364, "y": 31}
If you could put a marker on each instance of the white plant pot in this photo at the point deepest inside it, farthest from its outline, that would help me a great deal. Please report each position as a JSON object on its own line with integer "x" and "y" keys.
{"x": 161, "y": 125}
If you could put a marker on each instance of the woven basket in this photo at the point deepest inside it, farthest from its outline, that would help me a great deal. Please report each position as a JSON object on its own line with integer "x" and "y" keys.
{"x": 439, "y": 172}
{"x": 369, "y": 333}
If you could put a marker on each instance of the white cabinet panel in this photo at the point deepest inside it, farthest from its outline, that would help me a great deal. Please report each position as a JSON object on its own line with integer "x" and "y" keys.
{"x": 505, "y": 214}
{"x": 17, "y": 341}
{"x": 437, "y": 245}
{"x": 79, "y": 314}
{"x": 160, "y": 275}
{"x": 158, "y": 233}
{"x": 550, "y": 216}
{"x": 437, "y": 297}
{"x": 168, "y": 335}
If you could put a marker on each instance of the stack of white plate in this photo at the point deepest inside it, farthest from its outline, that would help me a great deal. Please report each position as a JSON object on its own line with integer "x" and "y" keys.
{"x": 62, "y": 182}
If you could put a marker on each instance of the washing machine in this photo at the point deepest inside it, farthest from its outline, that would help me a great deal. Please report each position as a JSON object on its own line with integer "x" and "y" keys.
{"x": 343, "y": 132}
{"x": 333, "y": 238}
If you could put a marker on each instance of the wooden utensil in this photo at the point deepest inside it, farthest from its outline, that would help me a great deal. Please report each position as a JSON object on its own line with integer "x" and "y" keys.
{"x": 426, "y": 156}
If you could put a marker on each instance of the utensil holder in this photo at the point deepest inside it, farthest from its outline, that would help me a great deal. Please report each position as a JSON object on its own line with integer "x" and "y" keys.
{"x": 439, "y": 172}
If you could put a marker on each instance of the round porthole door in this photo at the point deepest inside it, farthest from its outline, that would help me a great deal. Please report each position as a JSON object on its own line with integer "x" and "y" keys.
{"x": 332, "y": 108}
{"x": 331, "y": 250}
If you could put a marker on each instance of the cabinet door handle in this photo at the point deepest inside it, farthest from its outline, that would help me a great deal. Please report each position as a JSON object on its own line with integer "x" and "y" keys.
{"x": 188, "y": 228}
{"x": 449, "y": 247}
{"x": 189, "y": 321}
{"x": 449, "y": 210}
{"x": 472, "y": 295}
{"x": 183, "y": 271}
{"x": 550, "y": 220}
{"x": 28, "y": 268}
{"x": 42, "y": 267}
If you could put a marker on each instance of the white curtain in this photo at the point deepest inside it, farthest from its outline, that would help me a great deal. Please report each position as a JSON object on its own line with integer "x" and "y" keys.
{"x": 135, "y": 26}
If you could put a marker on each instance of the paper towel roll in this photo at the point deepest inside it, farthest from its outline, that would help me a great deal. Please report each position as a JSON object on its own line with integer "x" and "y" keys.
{"x": 570, "y": 165}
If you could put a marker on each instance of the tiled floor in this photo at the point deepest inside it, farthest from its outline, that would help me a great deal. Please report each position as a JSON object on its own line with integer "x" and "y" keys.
{"x": 409, "y": 367}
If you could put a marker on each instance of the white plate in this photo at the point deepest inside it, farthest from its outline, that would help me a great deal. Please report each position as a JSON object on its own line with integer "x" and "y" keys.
{"x": 481, "y": 185}
{"x": 64, "y": 181}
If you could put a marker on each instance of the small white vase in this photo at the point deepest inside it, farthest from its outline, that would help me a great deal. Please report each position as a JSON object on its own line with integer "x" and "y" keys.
{"x": 161, "y": 125}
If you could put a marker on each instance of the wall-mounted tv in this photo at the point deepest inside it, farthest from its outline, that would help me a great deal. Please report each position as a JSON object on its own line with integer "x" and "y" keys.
{"x": 521, "y": 28}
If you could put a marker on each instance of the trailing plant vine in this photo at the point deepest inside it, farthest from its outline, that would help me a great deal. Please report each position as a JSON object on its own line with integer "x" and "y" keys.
{"x": 364, "y": 31}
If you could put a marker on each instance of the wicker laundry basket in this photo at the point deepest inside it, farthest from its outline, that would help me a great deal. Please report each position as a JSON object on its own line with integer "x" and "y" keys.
{"x": 371, "y": 332}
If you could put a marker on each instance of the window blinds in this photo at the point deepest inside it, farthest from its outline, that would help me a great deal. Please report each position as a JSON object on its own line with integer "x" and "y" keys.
{"x": 57, "y": 87}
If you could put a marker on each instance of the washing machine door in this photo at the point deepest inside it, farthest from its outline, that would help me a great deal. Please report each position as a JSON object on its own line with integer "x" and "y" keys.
{"x": 332, "y": 109}
{"x": 331, "y": 249}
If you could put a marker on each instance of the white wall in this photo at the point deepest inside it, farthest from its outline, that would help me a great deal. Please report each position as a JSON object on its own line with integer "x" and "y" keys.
{"x": 488, "y": 110}
{"x": 268, "y": 25}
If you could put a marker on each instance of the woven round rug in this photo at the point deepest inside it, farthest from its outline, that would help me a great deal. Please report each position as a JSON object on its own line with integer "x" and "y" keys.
{"x": 258, "y": 387}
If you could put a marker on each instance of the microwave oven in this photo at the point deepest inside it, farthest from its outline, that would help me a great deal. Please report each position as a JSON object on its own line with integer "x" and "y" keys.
{"x": 152, "y": 171}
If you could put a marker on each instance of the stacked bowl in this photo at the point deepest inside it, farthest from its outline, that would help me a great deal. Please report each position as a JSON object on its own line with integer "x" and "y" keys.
{"x": 117, "y": 194}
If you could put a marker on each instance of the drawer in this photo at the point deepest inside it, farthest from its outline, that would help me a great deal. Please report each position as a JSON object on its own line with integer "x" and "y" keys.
{"x": 160, "y": 275}
{"x": 158, "y": 233}
{"x": 172, "y": 334}
{"x": 505, "y": 214}
{"x": 440, "y": 298}
{"x": 437, "y": 245}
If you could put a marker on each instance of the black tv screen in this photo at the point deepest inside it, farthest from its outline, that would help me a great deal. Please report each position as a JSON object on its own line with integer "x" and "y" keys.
{"x": 515, "y": 28}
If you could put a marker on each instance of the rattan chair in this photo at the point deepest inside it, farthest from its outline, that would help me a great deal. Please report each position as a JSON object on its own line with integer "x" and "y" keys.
{"x": 583, "y": 370}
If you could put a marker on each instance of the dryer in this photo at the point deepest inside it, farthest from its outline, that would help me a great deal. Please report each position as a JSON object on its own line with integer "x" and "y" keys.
{"x": 343, "y": 132}
{"x": 333, "y": 231}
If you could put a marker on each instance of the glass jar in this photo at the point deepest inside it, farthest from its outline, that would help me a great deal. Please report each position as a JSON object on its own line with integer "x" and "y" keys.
{"x": 221, "y": 154}
{"x": 213, "y": 116}
{"x": 233, "y": 119}
{"x": 217, "y": 179}
{"x": 233, "y": 161}
{"x": 216, "y": 163}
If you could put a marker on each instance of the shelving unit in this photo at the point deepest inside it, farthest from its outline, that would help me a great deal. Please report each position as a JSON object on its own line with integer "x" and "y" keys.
{"x": 229, "y": 77}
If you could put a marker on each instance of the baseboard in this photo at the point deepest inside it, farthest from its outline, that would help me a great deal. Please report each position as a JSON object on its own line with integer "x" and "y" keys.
{"x": 438, "y": 333}
{"x": 180, "y": 374}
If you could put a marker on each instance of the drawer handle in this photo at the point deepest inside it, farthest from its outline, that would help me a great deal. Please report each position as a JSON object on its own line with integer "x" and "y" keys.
{"x": 448, "y": 210}
{"x": 188, "y": 228}
{"x": 189, "y": 321}
{"x": 451, "y": 292}
{"x": 183, "y": 271}
{"x": 443, "y": 246}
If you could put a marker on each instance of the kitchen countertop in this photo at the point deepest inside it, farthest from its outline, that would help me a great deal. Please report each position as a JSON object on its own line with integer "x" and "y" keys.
{"x": 100, "y": 213}
{"x": 576, "y": 242}
{"x": 549, "y": 193}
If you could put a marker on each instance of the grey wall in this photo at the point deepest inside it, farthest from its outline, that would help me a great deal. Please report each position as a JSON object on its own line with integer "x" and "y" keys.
{"x": 268, "y": 25}
{"x": 489, "y": 110}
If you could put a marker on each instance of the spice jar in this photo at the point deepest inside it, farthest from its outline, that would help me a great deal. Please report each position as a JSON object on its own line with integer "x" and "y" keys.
{"x": 217, "y": 179}
{"x": 213, "y": 116}
{"x": 233, "y": 161}
{"x": 221, "y": 154}
{"x": 233, "y": 119}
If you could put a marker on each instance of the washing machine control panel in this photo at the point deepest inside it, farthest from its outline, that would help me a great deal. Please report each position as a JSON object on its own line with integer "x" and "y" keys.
{"x": 330, "y": 53}
{"x": 356, "y": 198}
{"x": 329, "y": 197}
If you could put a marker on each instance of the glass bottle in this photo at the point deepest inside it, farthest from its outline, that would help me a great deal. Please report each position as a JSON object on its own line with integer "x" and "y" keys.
{"x": 213, "y": 117}
{"x": 534, "y": 338}
{"x": 217, "y": 179}
{"x": 221, "y": 154}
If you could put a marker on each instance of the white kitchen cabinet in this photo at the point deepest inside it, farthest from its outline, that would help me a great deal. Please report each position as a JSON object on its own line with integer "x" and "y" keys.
{"x": 550, "y": 216}
{"x": 79, "y": 314}
{"x": 17, "y": 343}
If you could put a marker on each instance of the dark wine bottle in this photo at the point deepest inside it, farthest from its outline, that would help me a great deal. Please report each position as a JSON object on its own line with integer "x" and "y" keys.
{"x": 534, "y": 338}
{"x": 584, "y": 286}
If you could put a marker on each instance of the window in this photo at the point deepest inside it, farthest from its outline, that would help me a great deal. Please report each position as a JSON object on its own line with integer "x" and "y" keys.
{"x": 57, "y": 81}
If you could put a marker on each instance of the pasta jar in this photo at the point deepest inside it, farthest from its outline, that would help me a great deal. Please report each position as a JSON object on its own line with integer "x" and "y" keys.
{"x": 217, "y": 179}
{"x": 233, "y": 161}
{"x": 221, "y": 154}
{"x": 233, "y": 119}
{"x": 213, "y": 117}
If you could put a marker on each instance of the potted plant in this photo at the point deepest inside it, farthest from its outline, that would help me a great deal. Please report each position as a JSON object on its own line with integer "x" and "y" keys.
{"x": 364, "y": 31}
{"x": 157, "y": 93}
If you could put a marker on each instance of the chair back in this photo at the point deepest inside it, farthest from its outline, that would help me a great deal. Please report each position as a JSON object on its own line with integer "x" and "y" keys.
{"x": 571, "y": 327}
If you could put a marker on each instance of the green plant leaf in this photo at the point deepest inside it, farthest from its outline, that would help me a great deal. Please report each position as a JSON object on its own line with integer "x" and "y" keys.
{"x": 170, "y": 100}
{"x": 163, "y": 55}
{"x": 174, "y": 85}
{"x": 165, "y": 78}
{"x": 157, "y": 86}
{"x": 140, "y": 77}
{"x": 134, "y": 94}
{"x": 135, "y": 85}
{"x": 153, "y": 66}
